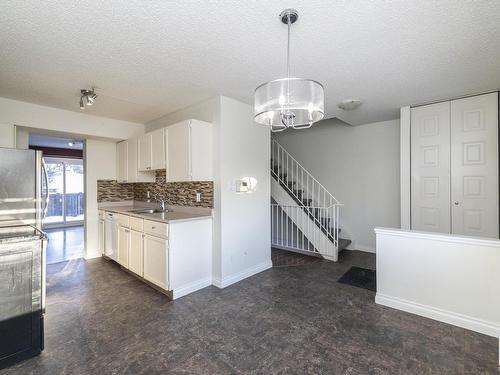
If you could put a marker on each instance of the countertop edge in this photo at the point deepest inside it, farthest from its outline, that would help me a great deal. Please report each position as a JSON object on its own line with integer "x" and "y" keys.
{"x": 157, "y": 219}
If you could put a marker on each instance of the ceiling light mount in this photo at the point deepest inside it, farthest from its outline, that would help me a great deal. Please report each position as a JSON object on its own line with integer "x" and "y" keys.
{"x": 87, "y": 97}
{"x": 289, "y": 14}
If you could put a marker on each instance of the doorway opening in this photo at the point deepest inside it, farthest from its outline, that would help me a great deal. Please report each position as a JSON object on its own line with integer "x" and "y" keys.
{"x": 66, "y": 204}
{"x": 64, "y": 185}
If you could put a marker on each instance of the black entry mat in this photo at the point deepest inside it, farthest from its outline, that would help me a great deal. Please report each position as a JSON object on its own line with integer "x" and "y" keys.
{"x": 360, "y": 277}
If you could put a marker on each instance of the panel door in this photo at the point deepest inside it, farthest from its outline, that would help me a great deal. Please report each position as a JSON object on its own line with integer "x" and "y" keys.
{"x": 474, "y": 166}
{"x": 144, "y": 152}
{"x": 122, "y": 156}
{"x": 136, "y": 252}
{"x": 430, "y": 168}
{"x": 179, "y": 163}
{"x": 156, "y": 260}
{"x": 123, "y": 246}
{"x": 158, "y": 149}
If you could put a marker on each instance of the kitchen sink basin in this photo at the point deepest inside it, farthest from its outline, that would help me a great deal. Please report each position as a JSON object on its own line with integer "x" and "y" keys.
{"x": 148, "y": 211}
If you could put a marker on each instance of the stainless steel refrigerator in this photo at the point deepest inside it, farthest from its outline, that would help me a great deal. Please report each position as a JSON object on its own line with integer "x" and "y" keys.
{"x": 23, "y": 201}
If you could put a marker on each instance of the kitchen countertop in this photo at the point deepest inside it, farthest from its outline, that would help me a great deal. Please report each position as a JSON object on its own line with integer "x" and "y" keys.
{"x": 166, "y": 217}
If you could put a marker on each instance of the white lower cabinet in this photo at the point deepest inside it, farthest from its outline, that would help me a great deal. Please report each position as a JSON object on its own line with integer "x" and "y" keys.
{"x": 100, "y": 236}
{"x": 123, "y": 245}
{"x": 156, "y": 260}
{"x": 136, "y": 253}
{"x": 176, "y": 257}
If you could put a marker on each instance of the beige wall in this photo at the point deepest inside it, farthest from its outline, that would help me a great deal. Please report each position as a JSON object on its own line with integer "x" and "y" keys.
{"x": 48, "y": 119}
{"x": 359, "y": 165}
{"x": 7, "y": 135}
{"x": 96, "y": 151}
{"x": 204, "y": 111}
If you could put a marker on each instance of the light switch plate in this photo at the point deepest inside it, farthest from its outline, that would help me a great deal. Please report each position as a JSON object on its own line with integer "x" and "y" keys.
{"x": 198, "y": 197}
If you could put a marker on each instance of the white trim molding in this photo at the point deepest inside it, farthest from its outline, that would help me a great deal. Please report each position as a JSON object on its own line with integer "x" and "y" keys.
{"x": 226, "y": 281}
{"x": 405, "y": 163}
{"x": 464, "y": 321}
{"x": 450, "y": 278}
{"x": 443, "y": 237}
{"x": 191, "y": 287}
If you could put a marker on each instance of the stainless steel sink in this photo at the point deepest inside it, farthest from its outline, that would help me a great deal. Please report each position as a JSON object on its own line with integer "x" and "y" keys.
{"x": 148, "y": 211}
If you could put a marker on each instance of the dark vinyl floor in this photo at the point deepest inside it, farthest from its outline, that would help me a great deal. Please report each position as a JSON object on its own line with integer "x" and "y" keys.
{"x": 64, "y": 244}
{"x": 283, "y": 258}
{"x": 297, "y": 320}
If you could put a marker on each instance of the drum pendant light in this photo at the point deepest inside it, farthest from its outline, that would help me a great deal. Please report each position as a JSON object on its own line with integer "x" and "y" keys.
{"x": 289, "y": 102}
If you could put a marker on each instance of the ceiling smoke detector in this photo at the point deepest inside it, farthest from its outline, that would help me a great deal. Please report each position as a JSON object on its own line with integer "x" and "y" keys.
{"x": 87, "y": 97}
{"x": 349, "y": 104}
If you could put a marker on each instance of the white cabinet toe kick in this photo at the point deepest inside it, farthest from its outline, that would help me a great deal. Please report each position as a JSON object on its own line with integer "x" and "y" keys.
{"x": 174, "y": 258}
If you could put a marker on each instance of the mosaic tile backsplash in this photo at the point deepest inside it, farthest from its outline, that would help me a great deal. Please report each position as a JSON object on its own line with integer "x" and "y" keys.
{"x": 174, "y": 193}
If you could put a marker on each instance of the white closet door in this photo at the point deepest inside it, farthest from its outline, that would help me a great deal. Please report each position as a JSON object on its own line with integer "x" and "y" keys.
{"x": 474, "y": 165}
{"x": 430, "y": 168}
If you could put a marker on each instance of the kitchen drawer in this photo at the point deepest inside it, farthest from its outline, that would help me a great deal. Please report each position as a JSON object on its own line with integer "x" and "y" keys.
{"x": 156, "y": 228}
{"x": 123, "y": 220}
{"x": 136, "y": 223}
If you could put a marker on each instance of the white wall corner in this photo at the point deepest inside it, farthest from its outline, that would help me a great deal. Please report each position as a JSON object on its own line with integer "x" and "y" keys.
{"x": 234, "y": 278}
{"x": 355, "y": 245}
{"x": 191, "y": 287}
{"x": 405, "y": 160}
{"x": 92, "y": 255}
{"x": 366, "y": 248}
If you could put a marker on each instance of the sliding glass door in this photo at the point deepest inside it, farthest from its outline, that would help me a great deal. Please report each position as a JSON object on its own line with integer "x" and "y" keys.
{"x": 66, "y": 195}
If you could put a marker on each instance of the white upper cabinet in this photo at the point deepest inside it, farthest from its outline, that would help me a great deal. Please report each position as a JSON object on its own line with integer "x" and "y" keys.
{"x": 151, "y": 151}
{"x": 122, "y": 160}
{"x": 127, "y": 170}
{"x": 158, "y": 154}
{"x": 189, "y": 151}
{"x": 144, "y": 152}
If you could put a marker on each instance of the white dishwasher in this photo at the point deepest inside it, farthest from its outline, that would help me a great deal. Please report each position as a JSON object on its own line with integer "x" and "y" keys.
{"x": 111, "y": 236}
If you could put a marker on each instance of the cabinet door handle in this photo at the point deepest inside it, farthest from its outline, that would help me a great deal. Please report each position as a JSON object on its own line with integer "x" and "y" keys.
{"x": 457, "y": 203}
{"x": 153, "y": 227}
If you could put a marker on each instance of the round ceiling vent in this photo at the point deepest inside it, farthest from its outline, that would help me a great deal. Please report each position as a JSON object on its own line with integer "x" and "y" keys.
{"x": 349, "y": 104}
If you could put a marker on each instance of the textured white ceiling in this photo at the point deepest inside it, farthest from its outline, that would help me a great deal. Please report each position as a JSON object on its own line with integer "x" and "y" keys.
{"x": 153, "y": 57}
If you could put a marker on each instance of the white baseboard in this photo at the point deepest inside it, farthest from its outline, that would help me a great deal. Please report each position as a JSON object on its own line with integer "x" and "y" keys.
{"x": 366, "y": 249}
{"x": 355, "y": 246}
{"x": 191, "y": 287}
{"x": 92, "y": 255}
{"x": 460, "y": 320}
{"x": 226, "y": 281}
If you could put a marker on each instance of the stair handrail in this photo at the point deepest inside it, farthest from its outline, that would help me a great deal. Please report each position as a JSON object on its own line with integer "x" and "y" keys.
{"x": 281, "y": 150}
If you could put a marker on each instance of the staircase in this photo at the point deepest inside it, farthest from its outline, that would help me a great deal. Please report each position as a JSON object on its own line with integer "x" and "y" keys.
{"x": 304, "y": 215}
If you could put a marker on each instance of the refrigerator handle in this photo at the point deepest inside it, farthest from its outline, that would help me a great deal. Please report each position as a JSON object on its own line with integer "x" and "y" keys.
{"x": 46, "y": 193}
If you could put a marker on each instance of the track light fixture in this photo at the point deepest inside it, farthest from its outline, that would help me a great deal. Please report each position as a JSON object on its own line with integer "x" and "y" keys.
{"x": 87, "y": 98}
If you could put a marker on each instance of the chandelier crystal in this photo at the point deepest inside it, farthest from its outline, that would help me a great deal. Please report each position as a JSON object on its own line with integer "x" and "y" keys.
{"x": 289, "y": 102}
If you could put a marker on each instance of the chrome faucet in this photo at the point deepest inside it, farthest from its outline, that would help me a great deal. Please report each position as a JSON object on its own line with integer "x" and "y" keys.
{"x": 161, "y": 201}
